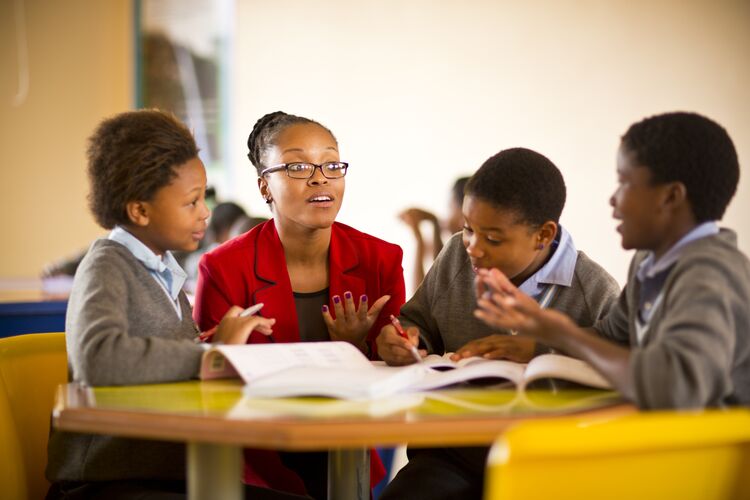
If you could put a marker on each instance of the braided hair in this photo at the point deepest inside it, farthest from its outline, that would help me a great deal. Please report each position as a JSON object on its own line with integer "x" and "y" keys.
{"x": 267, "y": 129}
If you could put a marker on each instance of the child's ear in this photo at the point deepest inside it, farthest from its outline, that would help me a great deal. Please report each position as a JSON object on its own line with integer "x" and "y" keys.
{"x": 675, "y": 194}
{"x": 137, "y": 213}
{"x": 547, "y": 233}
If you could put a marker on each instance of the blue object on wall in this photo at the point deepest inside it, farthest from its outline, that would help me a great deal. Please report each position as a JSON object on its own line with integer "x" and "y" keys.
{"x": 32, "y": 317}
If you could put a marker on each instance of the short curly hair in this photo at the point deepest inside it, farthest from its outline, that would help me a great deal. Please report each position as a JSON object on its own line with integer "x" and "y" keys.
{"x": 267, "y": 129}
{"x": 691, "y": 149}
{"x": 130, "y": 157}
{"x": 523, "y": 181}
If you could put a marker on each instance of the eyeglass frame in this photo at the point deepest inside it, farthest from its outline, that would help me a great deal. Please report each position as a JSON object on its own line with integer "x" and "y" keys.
{"x": 285, "y": 166}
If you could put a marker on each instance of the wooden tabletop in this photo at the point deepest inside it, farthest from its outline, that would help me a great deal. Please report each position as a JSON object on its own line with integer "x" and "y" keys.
{"x": 216, "y": 412}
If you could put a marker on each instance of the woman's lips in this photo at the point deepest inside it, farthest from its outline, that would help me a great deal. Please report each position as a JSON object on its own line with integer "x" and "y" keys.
{"x": 321, "y": 200}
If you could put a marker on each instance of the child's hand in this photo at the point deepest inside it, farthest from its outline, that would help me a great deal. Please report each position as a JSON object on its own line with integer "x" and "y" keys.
{"x": 505, "y": 306}
{"x": 502, "y": 305}
{"x": 394, "y": 349}
{"x": 518, "y": 349}
{"x": 352, "y": 324}
{"x": 234, "y": 329}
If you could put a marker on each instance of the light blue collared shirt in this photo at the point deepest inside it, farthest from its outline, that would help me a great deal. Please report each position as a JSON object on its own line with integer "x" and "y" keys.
{"x": 650, "y": 268}
{"x": 558, "y": 270}
{"x": 166, "y": 271}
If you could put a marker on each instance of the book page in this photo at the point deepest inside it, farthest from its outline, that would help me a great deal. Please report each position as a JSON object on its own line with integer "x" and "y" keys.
{"x": 254, "y": 361}
{"x": 564, "y": 367}
{"x": 439, "y": 362}
{"x": 336, "y": 382}
{"x": 470, "y": 369}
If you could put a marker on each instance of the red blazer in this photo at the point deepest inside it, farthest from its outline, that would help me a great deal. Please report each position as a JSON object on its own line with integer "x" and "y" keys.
{"x": 251, "y": 268}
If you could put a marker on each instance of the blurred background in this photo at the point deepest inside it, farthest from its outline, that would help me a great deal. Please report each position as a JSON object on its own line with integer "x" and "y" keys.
{"x": 417, "y": 92}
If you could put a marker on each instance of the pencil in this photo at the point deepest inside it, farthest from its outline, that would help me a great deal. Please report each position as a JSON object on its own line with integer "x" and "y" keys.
{"x": 397, "y": 324}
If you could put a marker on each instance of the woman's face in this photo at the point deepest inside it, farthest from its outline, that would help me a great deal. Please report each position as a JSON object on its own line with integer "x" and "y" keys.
{"x": 307, "y": 203}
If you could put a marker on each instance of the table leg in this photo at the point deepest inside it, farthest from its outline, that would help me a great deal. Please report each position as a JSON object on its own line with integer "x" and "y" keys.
{"x": 349, "y": 474}
{"x": 214, "y": 471}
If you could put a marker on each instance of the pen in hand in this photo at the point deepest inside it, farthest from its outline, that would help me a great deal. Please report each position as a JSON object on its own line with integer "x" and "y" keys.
{"x": 252, "y": 310}
{"x": 204, "y": 336}
{"x": 397, "y": 325}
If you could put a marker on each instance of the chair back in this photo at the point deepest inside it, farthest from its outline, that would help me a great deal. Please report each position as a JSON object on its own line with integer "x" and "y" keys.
{"x": 31, "y": 367}
{"x": 686, "y": 455}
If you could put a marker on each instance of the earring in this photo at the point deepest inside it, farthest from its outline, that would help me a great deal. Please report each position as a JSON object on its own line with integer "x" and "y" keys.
{"x": 540, "y": 246}
{"x": 269, "y": 200}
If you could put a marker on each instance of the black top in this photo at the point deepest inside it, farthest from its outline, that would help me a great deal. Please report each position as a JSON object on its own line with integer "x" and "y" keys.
{"x": 309, "y": 306}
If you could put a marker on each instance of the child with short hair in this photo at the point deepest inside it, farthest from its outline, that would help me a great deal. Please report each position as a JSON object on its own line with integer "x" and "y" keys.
{"x": 511, "y": 212}
{"x": 684, "y": 312}
{"x": 128, "y": 320}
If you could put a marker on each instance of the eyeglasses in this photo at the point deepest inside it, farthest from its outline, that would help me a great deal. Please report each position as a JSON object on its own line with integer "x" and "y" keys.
{"x": 330, "y": 170}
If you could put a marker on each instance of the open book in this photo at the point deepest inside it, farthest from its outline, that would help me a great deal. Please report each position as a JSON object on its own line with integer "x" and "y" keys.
{"x": 543, "y": 367}
{"x": 340, "y": 370}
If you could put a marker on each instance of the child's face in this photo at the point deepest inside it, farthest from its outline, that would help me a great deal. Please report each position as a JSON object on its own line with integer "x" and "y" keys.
{"x": 638, "y": 203}
{"x": 308, "y": 203}
{"x": 177, "y": 214}
{"x": 493, "y": 237}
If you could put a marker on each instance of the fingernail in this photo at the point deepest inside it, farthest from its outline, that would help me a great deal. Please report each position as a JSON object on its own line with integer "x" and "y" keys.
{"x": 348, "y": 295}
{"x": 363, "y": 298}
{"x": 325, "y": 309}
{"x": 336, "y": 299}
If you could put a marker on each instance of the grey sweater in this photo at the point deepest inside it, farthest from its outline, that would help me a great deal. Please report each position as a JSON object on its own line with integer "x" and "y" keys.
{"x": 696, "y": 351}
{"x": 444, "y": 303}
{"x": 121, "y": 328}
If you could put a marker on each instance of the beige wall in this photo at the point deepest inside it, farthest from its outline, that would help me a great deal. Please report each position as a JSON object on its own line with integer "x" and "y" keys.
{"x": 422, "y": 91}
{"x": 79, "y": 69}
{"x": 417, "y": 91}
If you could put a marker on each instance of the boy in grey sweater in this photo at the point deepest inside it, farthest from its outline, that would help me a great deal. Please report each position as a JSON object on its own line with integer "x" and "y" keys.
{"x": 684, "y": 313}
{"x": 511, "y": 211}
{"x": 128, "y": 320}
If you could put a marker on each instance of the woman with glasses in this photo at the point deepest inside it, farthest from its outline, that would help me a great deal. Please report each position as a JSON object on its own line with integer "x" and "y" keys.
{"x": 320, "y": 279}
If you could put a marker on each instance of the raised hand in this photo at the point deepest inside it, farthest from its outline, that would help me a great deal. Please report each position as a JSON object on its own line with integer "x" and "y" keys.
{"x": 501, "y": 305}
{"x": 351, "y": 323}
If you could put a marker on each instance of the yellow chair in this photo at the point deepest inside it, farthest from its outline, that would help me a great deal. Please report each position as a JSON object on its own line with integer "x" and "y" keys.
{"x": 31, "y": 367}
{"x": 659, "y": 455}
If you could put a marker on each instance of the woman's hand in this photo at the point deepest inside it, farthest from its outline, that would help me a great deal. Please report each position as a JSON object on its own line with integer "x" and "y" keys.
{"x": 394, "y": 349}
{"x": 498, "y": 346}
{"x": 352, "y": 323}
{"x": 234, "y": 329}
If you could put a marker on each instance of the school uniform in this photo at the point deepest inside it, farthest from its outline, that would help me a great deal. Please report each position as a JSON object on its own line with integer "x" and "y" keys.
{"x": 443, "y": 305}
{"x": 122, "y": 328}
{"x": 687, "y": 320}
{"x": 251, "y": 268}
{"x": 442, "y": 308}
{"x": 127, "y": 322}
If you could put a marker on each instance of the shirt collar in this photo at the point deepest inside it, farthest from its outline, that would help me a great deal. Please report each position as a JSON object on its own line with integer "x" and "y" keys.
{"x": 649, "y": 268}
{"x": 161, "y": 267}
{"x": 558, "y": 270}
